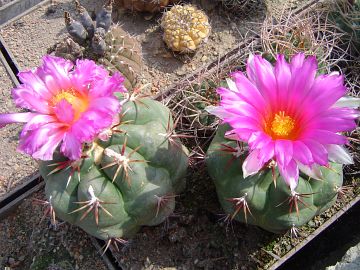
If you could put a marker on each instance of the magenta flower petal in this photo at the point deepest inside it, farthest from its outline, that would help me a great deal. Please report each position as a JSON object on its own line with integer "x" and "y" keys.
{"x": 64, "y": 111}
{"x": 318, "y": 151}
{"x": 297, "y": 61}
{"x": 261, "y": 73}
{"x": 34, "y": 84}
{"x": 37, "y": 121}
{"x": 69, "y": 105}
{"x": 86, "y": 73}
{"x": 290, "y": 173}
{"x": 28, "y": 99}
{"x": 248, "y": 93}
{"x": 252, "y": 164}
{"x": 302, "y": 153}
{"x": 258, "y": 140}
{"x": 71, "y": 146}
{"x": 47, "y": 149}
{"x": 56, "y": 71}
{"x": 15, "y": 118}
{"x": 283, "y": 78}
{"x": 283, "y": 152}
{"x": 37, "y": 140}
{"x": 289, "y": 115}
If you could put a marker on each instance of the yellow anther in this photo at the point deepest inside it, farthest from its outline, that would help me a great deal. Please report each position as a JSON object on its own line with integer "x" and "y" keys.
{"x": 78, "y": 103}
{"x": 282, "y": 125}
{"x": 68, "y": 95}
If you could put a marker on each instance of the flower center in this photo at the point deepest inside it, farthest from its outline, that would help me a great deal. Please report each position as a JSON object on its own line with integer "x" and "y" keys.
{"x": 68, "y": 95}
{"x": 282, "y": 125}
{"x": 78, "y": 103}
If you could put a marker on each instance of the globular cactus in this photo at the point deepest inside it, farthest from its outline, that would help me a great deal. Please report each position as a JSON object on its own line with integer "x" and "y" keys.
{"x": 346, "y": 15}
{"x": 257, "y": 200}
{"x": 127, "y": 179}
{"x": 242, "y": 7}
{"x": 185, "y": 28}
{"x": 108, "y": 44}
{"x": 144, "y": 5}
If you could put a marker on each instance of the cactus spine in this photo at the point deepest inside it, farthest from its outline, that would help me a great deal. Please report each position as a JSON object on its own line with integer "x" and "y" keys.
{"x": 257, "y": 200}
{"x": 144, "y": 5}
{"x": 185, "y": 28}
{"x": 346, "y": 15}
{"x": 108, "y": 44}
{"x": 127, "y": 180}
{"x": 241, "y": 6}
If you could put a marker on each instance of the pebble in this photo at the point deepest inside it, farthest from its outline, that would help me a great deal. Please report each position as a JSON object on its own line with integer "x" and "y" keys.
{"x": 11, "y": 261}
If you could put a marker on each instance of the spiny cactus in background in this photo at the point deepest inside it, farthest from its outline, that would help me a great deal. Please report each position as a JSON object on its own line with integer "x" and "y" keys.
{"x": 346, "y": 15}
{"x": 144, "y": 5}
{"x": 126, "y": 179}
{"x": 185, "y": 28}
{"x": 257, "y": 200}
{"x": 242, "y": 7}
{"x": 308, "y": 32}
{"x": 108, "y": 44}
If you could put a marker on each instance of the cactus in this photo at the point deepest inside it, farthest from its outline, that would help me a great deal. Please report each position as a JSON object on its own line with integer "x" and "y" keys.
{"x": 128, "y": 179}
{"x": 185, "y": 28}
{"x": 346, "y": 16}
{"x": 243, "y": 7}
{"x": 144, "y": 5}
{"x": 108, "y": 44}
{"x": 264, "y": 199}
{"x": 291, "y": 33}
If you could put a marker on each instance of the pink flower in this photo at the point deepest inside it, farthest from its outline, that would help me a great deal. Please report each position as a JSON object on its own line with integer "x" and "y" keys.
{"x": 68, "y": 105}
{"x": 288, "y": 114}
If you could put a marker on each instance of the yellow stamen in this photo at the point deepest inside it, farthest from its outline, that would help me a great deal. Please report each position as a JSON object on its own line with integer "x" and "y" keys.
{"x": 68, "y": 95}
{"x": 78, "y": 103}
{"x": 282, "y": 125}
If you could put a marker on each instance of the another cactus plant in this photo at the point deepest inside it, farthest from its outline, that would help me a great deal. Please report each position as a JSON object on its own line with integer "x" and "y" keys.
{"x": 346, "y": 15}
{"x": 290, "y": 33}
{"x": 108, "y": 44}
{"x": 185, "y": 28}
{"x": 261, "y": 201}
{"x": 242, "y": 7}
{"x": 144, "y": 5}
{"x": 124, "y": 182}
{"x": 111, "y": 160}
{"x": 277, "y": 159}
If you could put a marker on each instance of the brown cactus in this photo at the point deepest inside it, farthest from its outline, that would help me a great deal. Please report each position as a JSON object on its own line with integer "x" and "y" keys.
{"x": 102, "y": 41}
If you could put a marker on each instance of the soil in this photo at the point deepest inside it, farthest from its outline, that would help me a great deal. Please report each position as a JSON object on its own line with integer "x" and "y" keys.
{"x": 31, "y": 36}
{"x": 4, "y": 2}
{"x": 29, "y": 242}
{"x": 196, "y": 236}
{"x": 15, "y": 168}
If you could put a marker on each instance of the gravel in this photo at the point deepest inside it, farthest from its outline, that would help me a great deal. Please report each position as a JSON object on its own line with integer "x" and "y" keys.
{"x": 30, "y": 37}
{"x": 4, "y": 2}
{"x": 29, "y": 242}
{"x": 15, "y": 167}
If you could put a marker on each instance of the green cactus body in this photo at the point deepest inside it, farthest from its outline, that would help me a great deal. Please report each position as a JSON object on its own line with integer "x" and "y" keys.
{"x": 125, "y": 182}
{"x": 255, "y": 199}
{"x": 103, "y": 42}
